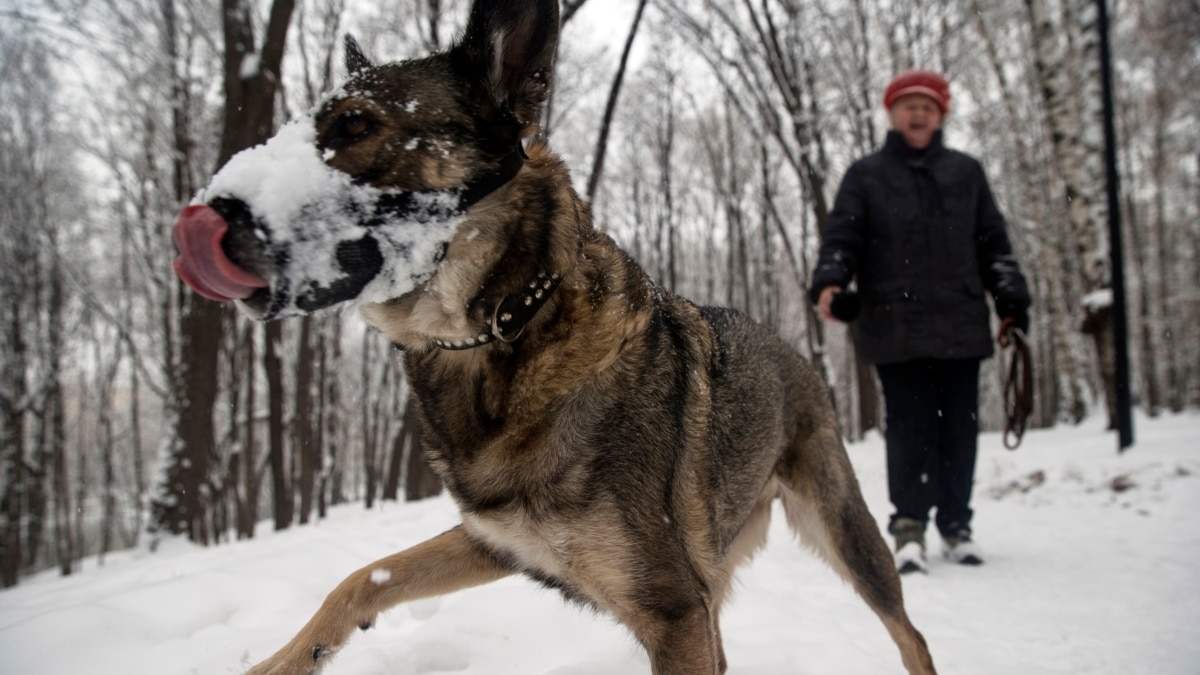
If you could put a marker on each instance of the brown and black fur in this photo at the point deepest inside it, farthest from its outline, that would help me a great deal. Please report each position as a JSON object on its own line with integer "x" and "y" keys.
{"x": 627, "y": 447}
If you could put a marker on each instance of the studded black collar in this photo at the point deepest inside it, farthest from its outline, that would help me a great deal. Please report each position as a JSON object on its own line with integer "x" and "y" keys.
{"x": 511, "y": 315}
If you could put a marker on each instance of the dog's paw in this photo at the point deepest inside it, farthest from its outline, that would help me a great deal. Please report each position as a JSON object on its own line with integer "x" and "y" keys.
{"x": 290, "y": 661}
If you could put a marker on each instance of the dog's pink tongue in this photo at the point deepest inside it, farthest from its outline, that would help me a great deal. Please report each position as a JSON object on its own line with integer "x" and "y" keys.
{"x": 201, "y": 262}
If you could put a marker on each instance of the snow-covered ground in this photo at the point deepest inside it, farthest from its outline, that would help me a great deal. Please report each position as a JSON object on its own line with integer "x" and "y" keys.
{"x": 1093, "y": 567}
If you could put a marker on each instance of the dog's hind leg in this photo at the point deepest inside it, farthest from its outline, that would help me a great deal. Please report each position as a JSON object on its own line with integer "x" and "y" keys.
{"x": 822, "y": 501}
{"x": 446, "y": 563}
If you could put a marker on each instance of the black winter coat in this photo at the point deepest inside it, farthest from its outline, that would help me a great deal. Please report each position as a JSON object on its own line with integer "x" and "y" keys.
{"x": 922, "y": 234}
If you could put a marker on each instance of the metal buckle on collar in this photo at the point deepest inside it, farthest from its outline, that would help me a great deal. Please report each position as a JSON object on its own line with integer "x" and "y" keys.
{"x": 515, "y": 311}
{"x": 512, "y": 314}
{"x": 498, "y": 318}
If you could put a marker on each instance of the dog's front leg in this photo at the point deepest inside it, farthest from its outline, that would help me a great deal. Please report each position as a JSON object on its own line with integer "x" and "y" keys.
{"x": 446, "y": 563}
{"x": 685, "y": 644}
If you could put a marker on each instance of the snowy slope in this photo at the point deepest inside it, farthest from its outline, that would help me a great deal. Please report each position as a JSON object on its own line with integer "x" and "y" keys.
{"x": 1093, "y": 567}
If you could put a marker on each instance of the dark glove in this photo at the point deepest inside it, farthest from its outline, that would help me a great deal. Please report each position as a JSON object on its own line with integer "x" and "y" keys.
{"x": 1017, "y": 316}
{"x": 845, "y": 306}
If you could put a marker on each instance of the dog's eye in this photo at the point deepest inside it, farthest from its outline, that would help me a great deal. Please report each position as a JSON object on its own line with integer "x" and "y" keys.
{"x": 355, "y": 125}
{"x": 349, "y": 129}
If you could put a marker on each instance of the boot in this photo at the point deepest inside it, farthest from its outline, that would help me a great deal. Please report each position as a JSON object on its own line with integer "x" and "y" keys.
{"x": 910, "y": 545}
{"x": 960, "y": 549}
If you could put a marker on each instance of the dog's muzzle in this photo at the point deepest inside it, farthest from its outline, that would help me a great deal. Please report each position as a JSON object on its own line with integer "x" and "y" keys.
{"x": 282, "y": 233}
{"x": 226, "y": 254}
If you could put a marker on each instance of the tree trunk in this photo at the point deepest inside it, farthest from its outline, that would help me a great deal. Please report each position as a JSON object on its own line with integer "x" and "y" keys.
{"x": 768, "y": 284}
{"x": 391, "y": 477}
{"x": 610, "y": 107}
{"x": 107, "y": 441}
{"x": 136, "y": 447}
{"x": 1170, "y": 322}
{"x": 248, "y": 120}
{"x": 319, "y": 439}
{"x": 56, "y": 437}
{"x": 330, "y": 416}
{"x": 303, "y": 445}
{"x": 1056, "y": 368}
{"x": 12, "y": 431}
{"x": 1083, "y": 16}
{"x": 1142, "y": 249}
{"x": 665, "y": 217}
{"x": 249, "y": 466}
{"x": 179, "y": 507}
{"x": 370, "y": 422}
{"x": 281, "y": 489}
{"x": 1071, "y": 123}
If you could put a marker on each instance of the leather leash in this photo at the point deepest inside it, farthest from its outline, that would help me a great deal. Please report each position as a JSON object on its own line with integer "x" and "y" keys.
{"x": 1018, "y": 383}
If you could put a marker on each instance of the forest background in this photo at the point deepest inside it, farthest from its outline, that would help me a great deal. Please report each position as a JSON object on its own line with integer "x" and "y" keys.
{"x": 709, "y": 138}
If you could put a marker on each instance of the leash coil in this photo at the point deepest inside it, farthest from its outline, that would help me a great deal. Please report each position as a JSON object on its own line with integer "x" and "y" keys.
{"x": 1018, "y": 383}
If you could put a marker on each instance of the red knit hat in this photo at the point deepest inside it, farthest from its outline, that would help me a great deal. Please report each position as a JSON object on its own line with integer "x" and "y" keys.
{"x": 924, "y": 82}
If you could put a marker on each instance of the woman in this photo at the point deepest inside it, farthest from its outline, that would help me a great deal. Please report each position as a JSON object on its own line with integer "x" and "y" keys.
{"x": 916, "y": 227}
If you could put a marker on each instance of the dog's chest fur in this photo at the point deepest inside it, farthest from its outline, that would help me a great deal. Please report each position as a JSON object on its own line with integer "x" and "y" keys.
{"x": 563, "y": 553}
{"x": 540, "y": 546}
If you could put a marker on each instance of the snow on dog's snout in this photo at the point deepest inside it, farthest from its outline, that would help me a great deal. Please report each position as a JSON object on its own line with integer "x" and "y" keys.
{"x": 320, "y": 238}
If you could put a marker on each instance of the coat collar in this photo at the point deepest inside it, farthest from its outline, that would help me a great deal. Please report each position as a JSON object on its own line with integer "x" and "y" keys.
{"x": 896, "y": 145}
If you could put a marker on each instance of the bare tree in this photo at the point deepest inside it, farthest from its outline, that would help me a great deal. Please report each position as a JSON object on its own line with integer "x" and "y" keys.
{"x": 719, "y": 178}
{"x": 1058, "y": 360}
{"x": 17, "y": 250}
{"x": 614, "y": 94}
{"x": 1161, "y": 95}
{"x": 34, "y": 200}
{"x": 305, "y": 449}
{"x": 251, "y": 82}
{"x": 1065, "y": 68}
{"x": 763, "y": 59}
{"x": 283, "y": 508}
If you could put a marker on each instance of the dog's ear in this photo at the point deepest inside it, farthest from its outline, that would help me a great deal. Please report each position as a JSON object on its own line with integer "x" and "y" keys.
{"x": 509, "y": 46}
{"x": 356, "y": 60}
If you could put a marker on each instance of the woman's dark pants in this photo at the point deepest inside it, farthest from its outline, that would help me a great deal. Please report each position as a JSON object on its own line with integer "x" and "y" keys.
{"x": 932, "y": 439}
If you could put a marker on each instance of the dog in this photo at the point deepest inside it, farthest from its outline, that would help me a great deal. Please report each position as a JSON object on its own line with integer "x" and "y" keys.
{"x": 599, "y": 434}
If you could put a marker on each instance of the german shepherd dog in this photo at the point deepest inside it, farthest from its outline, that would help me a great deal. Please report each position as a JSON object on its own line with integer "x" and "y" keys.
{"x": 599, "y": 434}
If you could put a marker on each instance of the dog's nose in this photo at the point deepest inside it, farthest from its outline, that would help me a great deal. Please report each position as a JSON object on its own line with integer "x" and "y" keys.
{"x": 203, "y": 264}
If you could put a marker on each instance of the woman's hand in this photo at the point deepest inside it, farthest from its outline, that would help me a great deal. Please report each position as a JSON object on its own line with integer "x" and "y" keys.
{"x": 825, "y": 302}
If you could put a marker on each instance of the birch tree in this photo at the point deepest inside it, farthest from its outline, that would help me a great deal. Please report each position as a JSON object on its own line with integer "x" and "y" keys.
{"x": 1160, "y": 106}
{"x": 1058, "y": 360}
{"x": 1067, "y": 74}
